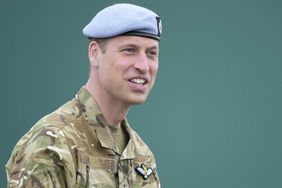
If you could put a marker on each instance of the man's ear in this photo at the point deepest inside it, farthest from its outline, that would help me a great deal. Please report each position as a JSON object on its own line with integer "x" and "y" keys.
{"x": 93, "y": 52}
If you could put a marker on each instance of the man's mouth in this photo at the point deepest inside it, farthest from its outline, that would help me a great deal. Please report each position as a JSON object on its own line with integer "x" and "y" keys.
{"x": 140, "y": 81}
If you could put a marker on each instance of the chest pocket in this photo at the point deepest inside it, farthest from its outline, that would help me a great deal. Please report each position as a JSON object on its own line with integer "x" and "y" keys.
{"x": 97, "y": 172}
{"x": 144, "y": 175}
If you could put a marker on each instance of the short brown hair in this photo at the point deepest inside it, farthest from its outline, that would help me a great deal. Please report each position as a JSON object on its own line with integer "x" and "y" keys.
{"x": 101, "y": 42}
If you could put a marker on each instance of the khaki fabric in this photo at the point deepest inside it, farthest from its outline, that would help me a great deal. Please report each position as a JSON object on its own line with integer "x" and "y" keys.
{"x": 73, "y": 147}
{"x": 120, "y": 136}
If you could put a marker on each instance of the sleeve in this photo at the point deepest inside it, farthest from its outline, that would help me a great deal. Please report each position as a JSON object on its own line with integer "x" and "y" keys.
{"x": 41, "y": 160}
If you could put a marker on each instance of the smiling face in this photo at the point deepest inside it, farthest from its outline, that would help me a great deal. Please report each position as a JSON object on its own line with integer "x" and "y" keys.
{"x": 126, "y": 71}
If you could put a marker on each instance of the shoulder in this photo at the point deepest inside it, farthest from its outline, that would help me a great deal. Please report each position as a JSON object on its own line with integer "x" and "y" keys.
{"x": 47, "y": 145}
{"x": 51, "y": 128}
{"x": 49, "y": 135}
{"x": 142, "y": 149}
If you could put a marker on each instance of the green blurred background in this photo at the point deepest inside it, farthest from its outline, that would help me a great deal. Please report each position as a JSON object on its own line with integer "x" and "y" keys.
{"x": 214, "y": 118}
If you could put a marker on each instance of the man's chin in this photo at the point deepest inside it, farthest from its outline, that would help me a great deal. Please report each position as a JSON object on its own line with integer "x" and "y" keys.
{"x": 137, "y": 100}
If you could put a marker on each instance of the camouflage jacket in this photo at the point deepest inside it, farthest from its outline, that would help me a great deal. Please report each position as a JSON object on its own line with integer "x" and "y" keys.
{"x": 72, "y": 147}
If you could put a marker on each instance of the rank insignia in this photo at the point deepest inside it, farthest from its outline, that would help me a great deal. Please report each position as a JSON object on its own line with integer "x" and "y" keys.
{"x": 144, "y": 171}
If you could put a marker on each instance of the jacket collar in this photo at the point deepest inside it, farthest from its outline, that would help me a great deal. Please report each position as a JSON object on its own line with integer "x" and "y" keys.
{"x": 89, "y": 108}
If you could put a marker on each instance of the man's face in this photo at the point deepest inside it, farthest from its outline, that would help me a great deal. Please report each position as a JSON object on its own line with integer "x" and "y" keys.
{"x": 127, "y": 70}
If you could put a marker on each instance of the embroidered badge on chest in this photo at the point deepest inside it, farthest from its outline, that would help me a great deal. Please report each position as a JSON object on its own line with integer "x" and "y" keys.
{"x": 144, "y": 171}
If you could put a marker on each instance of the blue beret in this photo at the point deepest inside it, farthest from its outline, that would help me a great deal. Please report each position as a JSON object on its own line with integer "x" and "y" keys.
{"x": 124, "y": 19}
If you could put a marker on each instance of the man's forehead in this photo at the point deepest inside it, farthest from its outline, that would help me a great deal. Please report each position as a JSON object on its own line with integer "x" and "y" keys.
{"x": 134, "y": 41}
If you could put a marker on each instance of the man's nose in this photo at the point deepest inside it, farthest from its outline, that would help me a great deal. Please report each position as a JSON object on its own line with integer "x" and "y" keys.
{"x": 142, "y": 63}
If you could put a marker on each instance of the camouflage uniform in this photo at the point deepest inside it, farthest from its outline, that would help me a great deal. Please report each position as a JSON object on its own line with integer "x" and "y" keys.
{"x": 73, "y": 147}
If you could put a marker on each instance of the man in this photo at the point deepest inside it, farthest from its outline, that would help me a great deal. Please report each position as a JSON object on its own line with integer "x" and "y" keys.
{"x": 88, "y": 142}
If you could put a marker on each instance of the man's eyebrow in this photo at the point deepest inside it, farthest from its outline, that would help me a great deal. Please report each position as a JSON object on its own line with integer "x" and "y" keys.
{"x": 137, "y": 46}
{"x": 128, "y": 45}
{"x": 154, "y": 47}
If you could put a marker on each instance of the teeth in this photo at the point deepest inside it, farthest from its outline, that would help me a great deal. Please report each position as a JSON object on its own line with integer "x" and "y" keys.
{"x": 138, "y": 81}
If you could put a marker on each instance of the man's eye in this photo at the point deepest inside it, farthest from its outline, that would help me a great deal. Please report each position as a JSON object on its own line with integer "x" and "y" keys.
{"x": 152, "y": 54}
{"x": 129, "y": 50}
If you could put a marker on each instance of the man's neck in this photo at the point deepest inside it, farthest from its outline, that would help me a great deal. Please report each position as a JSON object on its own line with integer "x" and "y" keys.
{"x": 113, "y": 111}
